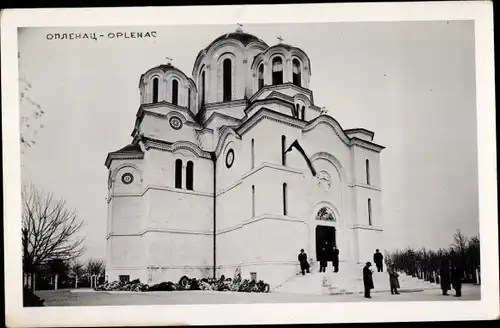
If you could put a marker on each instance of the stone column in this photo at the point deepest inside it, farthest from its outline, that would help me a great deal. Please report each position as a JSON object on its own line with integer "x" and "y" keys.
{"x": 184, "y": 177}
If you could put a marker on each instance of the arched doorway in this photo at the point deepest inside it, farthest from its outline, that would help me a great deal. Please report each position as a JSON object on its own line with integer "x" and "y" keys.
{"x": 325, "y": 233}
{"x": 325, "y": 237}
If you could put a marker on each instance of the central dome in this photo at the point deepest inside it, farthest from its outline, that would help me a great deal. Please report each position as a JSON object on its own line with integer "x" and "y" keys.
{"x": 239, "y": 35}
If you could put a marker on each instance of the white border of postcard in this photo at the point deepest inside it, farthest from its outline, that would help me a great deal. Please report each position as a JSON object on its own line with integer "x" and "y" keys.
{"x": 487, "y": 308}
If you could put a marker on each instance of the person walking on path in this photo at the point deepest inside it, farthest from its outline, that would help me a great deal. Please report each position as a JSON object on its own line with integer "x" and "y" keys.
{"x": 335, "y": 259}
{"x": 368, "y": 279}
{"x": 456, "y": 280}
{"x": 322, "y": 260}
{"x": 378, "y": 258}
{"x": 393, "y": 279}
{"x": 444, "y": 275}
{"x": 304, "y": 265}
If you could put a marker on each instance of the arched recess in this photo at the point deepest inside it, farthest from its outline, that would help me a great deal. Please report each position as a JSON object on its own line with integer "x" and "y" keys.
{"x": 117, "y": 169}
{"x": 277, "y": 69}
{"x": 314, "y": 223}
{"x": 332, "y": 160}
{"x": 297, "y": 72}
{"x": 226, "y": 82}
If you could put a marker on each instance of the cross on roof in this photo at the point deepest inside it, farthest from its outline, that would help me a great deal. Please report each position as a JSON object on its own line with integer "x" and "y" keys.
{"x": 240, "y": 25}
{"x": 280, "y": 39}
{"x": 169, "y": 60}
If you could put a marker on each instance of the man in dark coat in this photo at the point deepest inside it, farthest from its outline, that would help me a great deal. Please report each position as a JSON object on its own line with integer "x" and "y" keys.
{"x": 444, "y": 274}
{"x": 378, "y": 258}
{"x": 304, "y": 265}
{"x": 335, "y": 259}
{"x": 456, "y": 280}
{"x": 393, "y": 279}
{"x": 322, "y": 260}
{"x": 329, "y": 251}
{"x": 367, "y": 279}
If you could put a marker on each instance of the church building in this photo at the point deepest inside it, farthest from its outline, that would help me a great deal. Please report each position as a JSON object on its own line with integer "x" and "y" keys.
{"x": 237, "y": 167}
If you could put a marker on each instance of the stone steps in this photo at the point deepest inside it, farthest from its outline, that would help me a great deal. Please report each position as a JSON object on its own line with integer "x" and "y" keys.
{"x": 349, "y": 280}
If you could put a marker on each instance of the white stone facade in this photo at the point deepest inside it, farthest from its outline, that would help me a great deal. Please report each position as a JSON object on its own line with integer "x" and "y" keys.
{"x": 205, "y": 186}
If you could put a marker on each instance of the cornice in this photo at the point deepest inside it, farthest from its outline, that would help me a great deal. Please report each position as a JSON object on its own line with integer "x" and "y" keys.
{"x": 361, "y": 130}
{"x": 330, "y": 121}
{"x": 213, "y": 115}
{"x": 280, "y": 87}
{"x": 267, "y": 101}
{"x": 265, "y": 113}
{"x": 261, "y": 217}
{"x": 121, "y": 156}
{"x": 150, "y": 143}
{"x": 366, "y": 145}
{"x": 148, "y": 106}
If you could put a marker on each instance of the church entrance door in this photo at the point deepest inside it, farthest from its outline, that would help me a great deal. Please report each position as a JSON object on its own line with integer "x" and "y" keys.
{"x": 324, "y": 234}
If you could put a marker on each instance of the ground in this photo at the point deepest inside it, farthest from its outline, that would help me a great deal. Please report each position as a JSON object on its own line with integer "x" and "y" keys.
{"x": 89, "y": 297}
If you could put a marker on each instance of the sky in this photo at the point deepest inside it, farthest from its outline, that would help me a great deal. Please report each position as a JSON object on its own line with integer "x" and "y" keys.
{"x": 412, "y": 83}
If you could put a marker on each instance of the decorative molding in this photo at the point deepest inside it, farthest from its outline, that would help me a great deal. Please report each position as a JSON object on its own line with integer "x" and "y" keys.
{"x": 224, "y": 190}
{"x": 366, "y": 227}
{"x": 287, "y": 85}
{"x": 164, "y": 188}
{"x": 151, "y": 143}
{"x": 365, "y": 186}
{"x": 272, "y": 166}
{"x": 331, "y": 122}
{"x": 260, "y": 218}
{"x": 366, "y": 145}
{"x": 265, "y": 113}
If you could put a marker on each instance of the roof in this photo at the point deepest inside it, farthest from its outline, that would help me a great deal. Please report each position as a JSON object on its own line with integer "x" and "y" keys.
{"x": 131, "y": 148}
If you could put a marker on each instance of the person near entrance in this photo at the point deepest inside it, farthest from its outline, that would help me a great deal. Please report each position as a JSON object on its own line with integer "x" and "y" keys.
{"x": 304, "y": 265}
{"x": 335, "y": 259}
{"x": 444, "y": 275}
{"x": 329, "y": 251}
{"x": 456, "y": 280}
{"x": 322, "y": 259}
{"x": 393, "y": 279}
{"x": 378, "y": 258}
{"x": 368, "y": 279}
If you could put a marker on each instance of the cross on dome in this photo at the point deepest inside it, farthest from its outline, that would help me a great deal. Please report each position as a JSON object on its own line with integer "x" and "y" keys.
{"x": 280, "y": 39}
{"x": 239, "y": 28}
{"x": 169, "y": 60}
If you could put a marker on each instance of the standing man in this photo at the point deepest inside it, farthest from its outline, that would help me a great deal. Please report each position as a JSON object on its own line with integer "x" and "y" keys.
{"x": 378, "y": 258}
{"x": 456, "y": 280}
{"x": 367, "y": 279}
{"x": 444, "y": 275}
{"x": 393, "y": 279}
{"x": 329, "y": 251}
{"x": 322, "y": 260}
{"x": 304, "y": 265}
{"x": 335, "y": 259}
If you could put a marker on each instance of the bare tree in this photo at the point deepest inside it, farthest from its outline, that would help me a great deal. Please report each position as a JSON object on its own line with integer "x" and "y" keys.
{"x": 77, "y": 270}
{"x": 31, "y": 114}
{"x": 48, "y": 230}
{"x": 95, "y": 269}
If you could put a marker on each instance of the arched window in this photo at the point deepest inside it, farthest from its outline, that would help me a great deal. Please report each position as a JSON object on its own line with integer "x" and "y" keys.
{"x": 203, "y": 89}
{"x": 189, "y": 175}
{"x": 175, "y": 92}
{"x": 178, "y": 173}
{"x": 285, "y": 199}
{"x": 253, "y": 154}
{"x": 303, "y": 113}
{"x": 189, "y": 98}
{"x": 369, "y": 211}
{"x": 297, "y": 75}
{"x": 253, "y": 201}
{"x": 277, "y": 70}
{"x": 367, "y": 172}
{"x": 155, "y": 90}
{"x": 283, "y": 149}
{"x": 227, "y": 85}
{"x": 297, "y": 109}
{"x": 261, "y": 76}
